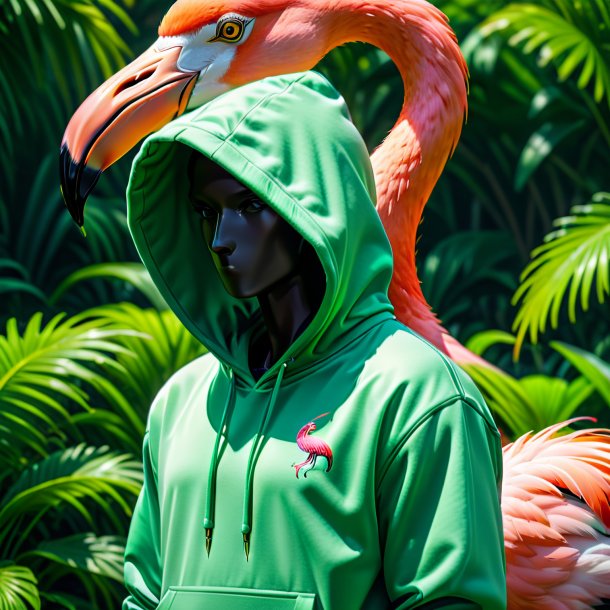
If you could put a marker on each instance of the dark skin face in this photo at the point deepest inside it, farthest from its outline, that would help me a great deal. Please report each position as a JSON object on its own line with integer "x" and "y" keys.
{"x": 252, "y": 247}
{"x": 257, "y": 254}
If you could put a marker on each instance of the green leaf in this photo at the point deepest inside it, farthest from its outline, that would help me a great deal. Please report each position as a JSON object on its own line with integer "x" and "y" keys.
{"x": 567, "y": 35}
{"x": 37, "y": 37}
{"x": 49, "y": 365}
{"x": 531, "y": 403}
{"x": 539, "y": 146}
{"x": 133, "y": 273}
{"x": 65, "y": 601}
{"x": 589, "y": 365}
{"x": 573, "y": 261}
{"x": 11, "y": 285}
{"x": 482, "y": 341}
{"x": 9, "y": 263}
{"x": 18, "y": 588}
{"x": 101, "y": 555}
{"x": 68, "y": 479}
{"x": 453, "y": 268}
{"x": 161, "y": 346}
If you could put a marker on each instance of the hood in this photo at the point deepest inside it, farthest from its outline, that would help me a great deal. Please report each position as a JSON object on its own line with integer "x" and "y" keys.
{"x": 290, "y": 140}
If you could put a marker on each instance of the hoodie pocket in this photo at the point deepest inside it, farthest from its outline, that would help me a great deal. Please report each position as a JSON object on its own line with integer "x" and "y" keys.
{"x": 230, "y": 598}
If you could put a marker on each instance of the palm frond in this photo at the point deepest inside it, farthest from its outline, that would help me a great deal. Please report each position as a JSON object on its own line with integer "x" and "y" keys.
{"x": 481, "y": 342}
{"x": 575, "y": 260}
{"x": 588, "y": 365}
{"x": 18, "y": 590}
{"x": 43, "y": 370}
{"x": 530, "y": 403}
{"x": 569, "y": 36}
{"x": 76, "y": 41}
{"x": 16, "y": 282}
{"x": 457, "y": 272}
{"x": 46, "y": 244}
{"x": 539, "y": 146}
{"x": 134, "y": 274}
{"x": 43, "y": 246}
{"x": 69, "y": 478}
{"x": 64, "y": 601}
{"x": 101, "y": 555}
{"x": 162, "y": 347}
{"x": 471, "y": 257}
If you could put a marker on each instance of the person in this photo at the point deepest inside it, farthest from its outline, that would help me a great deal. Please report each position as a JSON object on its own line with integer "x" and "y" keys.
{"x": 321, "y": 455}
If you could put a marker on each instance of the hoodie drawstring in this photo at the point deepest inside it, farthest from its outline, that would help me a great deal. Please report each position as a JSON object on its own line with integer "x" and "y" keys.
{"x": 255, "y": 450}
{"x": 210, "y": 502}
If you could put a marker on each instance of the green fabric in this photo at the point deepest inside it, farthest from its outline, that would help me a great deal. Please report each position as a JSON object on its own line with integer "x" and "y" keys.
{"x": 313, "y": 181}
{"x": 408, "y": 515}
{"x": 187, "y": 598}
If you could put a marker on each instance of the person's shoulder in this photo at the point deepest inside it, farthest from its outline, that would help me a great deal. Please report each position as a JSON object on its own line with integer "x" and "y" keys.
{"x": 182, "y": 384}
{"x": 204, "y": 365}
{"x": 406, "y": 357}
{"x": 424, "y": 378}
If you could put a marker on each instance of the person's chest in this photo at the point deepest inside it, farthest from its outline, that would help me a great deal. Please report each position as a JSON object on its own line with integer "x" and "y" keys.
{"x": 307, "y": 492}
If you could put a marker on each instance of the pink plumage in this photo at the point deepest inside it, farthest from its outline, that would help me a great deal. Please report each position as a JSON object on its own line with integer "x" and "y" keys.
{"x": 314, "y": 446}
{"x": 556, "y": 511}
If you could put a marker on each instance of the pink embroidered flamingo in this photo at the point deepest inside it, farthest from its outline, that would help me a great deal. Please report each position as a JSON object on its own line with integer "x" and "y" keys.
{"x": 314, "y": 446}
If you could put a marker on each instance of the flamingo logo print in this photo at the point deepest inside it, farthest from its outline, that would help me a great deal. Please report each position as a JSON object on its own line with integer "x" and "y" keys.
{"x": 315, "y": 447}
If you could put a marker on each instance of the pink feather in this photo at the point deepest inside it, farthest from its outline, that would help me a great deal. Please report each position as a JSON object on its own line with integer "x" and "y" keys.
{"x": 556, "y": 510}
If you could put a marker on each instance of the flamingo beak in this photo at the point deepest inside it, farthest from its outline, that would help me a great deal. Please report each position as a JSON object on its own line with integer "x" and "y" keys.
{"x": 137, "y": 100}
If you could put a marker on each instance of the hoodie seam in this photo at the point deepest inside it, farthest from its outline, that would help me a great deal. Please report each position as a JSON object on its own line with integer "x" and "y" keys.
{"x": 430, "y": 413}
{"x": 225, "y": 137}
{"x": 318, "y": 232}
{"x": 261, "y": 102}
{"x": 306, "y": 370}
{"x": 178, "y": 304}
{"x": 227, "y": 140}
{"x": 306, "y": 222}
{"x": 459, "y": 387}
{"x": 278, "y": 185}
{"x": 448, "y": 365}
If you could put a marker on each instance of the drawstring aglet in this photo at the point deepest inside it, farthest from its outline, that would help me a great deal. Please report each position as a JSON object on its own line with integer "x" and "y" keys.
{"x": 257, "y": 447}
{"x": 247, "y": 544}
{"x": 208, "y": 540}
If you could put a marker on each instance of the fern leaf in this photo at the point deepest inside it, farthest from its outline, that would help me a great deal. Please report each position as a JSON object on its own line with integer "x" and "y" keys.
{"x": 573, "y": 262}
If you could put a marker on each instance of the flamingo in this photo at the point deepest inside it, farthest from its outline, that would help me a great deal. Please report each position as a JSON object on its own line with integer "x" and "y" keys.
{"x": 556, "y": 514}
{"x": 556, "y": 490}
{"x": 315, "y": 447}
{"x": 189, "y": 65}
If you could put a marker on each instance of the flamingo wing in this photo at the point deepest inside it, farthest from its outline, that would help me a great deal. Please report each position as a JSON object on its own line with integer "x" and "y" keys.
{"x": 556, "y": 511}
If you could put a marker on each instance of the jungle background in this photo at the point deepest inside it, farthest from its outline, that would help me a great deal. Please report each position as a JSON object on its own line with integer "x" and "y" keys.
{"x": 513, "y": 255}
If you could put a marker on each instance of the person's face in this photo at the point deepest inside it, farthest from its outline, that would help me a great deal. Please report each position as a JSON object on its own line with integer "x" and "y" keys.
{"x": 252, "y": 247}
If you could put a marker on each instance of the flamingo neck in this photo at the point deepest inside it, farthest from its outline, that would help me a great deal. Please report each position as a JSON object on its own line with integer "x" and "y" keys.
{"x": 302, "y": 434}
{"x": 409, "y": 162}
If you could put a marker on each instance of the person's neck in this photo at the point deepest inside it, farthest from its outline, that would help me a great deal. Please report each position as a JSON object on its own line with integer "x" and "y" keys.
{"x": 286, "y": 310}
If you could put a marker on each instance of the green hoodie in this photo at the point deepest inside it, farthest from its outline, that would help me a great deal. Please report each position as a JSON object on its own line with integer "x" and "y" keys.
{"x": 398, "y": 460}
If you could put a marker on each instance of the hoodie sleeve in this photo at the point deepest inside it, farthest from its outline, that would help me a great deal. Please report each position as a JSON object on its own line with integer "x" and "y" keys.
{"x": 440, "y": 520}
{"x": 142, "y": 556}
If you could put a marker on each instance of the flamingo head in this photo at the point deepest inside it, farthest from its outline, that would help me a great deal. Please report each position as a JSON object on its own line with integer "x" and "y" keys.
{"x": 204, "y": 48}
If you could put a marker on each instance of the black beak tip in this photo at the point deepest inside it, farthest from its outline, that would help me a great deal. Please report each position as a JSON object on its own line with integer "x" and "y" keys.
{"x": 77, "y": 182}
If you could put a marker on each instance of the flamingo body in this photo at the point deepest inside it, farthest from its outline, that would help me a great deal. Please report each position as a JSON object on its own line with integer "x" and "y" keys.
{"x": 556, "y": 512}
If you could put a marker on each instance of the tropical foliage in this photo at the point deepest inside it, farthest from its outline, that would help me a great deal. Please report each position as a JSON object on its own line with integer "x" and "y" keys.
{"x": 70, "y": 390}
{"x": 572, "y": 261}
{"x": 513, "y": 255}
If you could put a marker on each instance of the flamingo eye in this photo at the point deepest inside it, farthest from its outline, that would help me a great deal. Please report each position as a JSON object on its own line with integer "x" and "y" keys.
{"x": 230, "y": 29}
